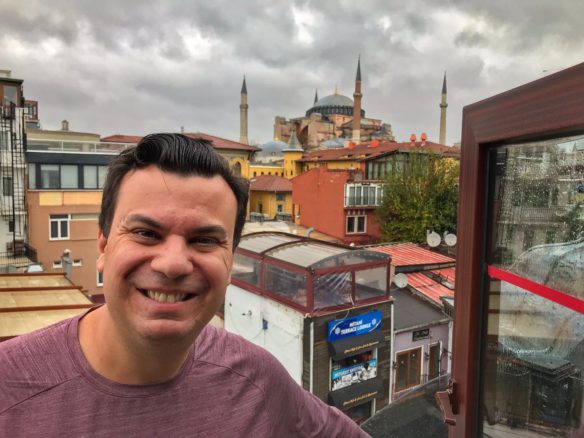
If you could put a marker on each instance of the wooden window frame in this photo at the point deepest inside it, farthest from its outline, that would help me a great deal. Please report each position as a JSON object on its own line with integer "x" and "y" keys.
{"x": 547, "y": 108}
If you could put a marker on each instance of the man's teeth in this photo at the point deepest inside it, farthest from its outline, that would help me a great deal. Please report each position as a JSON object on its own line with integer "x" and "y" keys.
{"x": 165, "y": 298}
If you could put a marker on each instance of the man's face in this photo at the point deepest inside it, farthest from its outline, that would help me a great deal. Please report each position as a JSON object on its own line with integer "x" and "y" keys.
{"x": 167, "y": 260}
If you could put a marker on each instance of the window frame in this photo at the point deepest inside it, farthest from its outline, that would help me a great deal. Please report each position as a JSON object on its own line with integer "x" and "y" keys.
{"x": 62, "y": 218}
{"x": 528, "y": 112}
{"x": 355, "y": 227}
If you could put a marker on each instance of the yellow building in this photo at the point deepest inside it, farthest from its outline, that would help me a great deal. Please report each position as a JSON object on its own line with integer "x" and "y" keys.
{"x": 271, "y": 197}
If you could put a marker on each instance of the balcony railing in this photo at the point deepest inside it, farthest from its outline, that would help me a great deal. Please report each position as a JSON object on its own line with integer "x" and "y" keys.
{"x": 76, "y": 146}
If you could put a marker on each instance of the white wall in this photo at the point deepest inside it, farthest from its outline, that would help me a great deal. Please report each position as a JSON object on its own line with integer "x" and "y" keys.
{"x": 244, "y": 315}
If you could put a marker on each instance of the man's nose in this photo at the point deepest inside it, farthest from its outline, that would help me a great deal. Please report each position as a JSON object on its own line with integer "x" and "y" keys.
{"x": 173, "y": 258}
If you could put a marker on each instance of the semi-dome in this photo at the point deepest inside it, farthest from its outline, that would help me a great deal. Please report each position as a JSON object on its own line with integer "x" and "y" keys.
{"x": 272, "y": 148}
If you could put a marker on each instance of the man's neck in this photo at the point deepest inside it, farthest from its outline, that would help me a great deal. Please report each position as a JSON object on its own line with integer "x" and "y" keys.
{"x": 118, "y": 359}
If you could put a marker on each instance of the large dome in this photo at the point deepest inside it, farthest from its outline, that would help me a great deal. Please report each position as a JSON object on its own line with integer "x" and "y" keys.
{"x": 334, "y": 100}
{"x": 333, "y": 104}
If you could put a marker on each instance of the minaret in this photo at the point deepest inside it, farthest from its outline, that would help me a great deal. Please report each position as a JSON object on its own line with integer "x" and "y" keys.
{"x": 357, "y": 105}
{"x": 443, "y": 106}
{"x": 315, "y": 96}
{"x": 243, "y": 106}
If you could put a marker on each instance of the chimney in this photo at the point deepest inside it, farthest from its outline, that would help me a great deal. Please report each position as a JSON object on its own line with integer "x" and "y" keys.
{"x": 413, "y": 139}
{"x": 64, "y": 125}
{"x": 423, "y": 137}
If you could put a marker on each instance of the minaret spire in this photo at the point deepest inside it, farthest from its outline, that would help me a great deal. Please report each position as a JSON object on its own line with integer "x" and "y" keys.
{"x": 315, "y": 96}
{"x": 243, "y": 106}
{"x": 443, "y": 106}
{"x": 357, "y": 105}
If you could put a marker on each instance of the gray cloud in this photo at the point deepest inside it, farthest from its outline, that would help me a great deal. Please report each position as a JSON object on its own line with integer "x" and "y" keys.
{"x": 134, "y": 67}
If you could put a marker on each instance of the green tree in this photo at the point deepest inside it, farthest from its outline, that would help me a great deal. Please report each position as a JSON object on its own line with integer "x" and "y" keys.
{"x": 419, "y": 195}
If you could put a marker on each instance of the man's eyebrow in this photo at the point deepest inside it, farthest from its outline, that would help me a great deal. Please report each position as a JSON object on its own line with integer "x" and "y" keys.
{"x": 210, "y": 229}
{"x": 143, "y": 219}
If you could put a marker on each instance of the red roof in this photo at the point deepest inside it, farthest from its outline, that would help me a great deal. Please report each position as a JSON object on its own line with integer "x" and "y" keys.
{"x": 218, "y": 142}
{"x": 270, "y": 183}
{"x": 448, "y": 274}
{"x": 429, "y": 288}
{"x": 411, "y": 254}
{"x": 364, "y": 151}
{"x": 222, "y": 143}
{"x": 117, "y": 138}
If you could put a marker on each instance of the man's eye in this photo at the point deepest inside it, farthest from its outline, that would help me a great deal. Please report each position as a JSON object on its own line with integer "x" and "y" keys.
{"x": 146, "y": 234}
{"x": 206, "y": 241}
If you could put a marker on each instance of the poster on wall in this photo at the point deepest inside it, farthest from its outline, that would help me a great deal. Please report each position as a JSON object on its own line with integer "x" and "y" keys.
{"x": 343, "y": 377}
{"x": 356, "y": 325}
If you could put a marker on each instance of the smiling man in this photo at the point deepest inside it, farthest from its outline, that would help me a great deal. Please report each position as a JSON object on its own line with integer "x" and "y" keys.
{"x": 146, "y": 363}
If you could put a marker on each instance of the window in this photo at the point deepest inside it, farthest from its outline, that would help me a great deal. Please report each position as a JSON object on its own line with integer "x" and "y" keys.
{"x": 7, "y": 186}
{"x": 90, "y": 177}
{"x": 77, "y": 262}
{"x": 10, "y": 94}
{"x": 355, "y": 224}
{"x": 353, "y": 369}
{"x": 101, "y": 176}
{"x": 280, "y": 208}
{"x": 59, "y": 226}
{"x": 50, "y": 176}
{"x": 32, "y": 176}
{"x": 280, "y": 197}
{"x": 69, "y": 176}
{"x": 434, "y": 362}
{"x": 363, "y": 194}
{"x": 100, "y": 278}
{"x": 57, "y": 264}
{"x": 408, "y": 369}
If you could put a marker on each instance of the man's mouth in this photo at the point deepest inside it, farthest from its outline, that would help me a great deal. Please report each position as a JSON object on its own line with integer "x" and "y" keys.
{"x": 163, "y": 297}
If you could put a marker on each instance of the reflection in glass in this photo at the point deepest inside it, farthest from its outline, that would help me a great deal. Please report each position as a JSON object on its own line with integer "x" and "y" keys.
{"x": 332, "y": 290}
{"x": 537, "y": 212}
{"x": 246, "y": 269}
{"x": 370, "y": 283}
{"x": 286, "y": 284}
{"x": 533, "y": 365}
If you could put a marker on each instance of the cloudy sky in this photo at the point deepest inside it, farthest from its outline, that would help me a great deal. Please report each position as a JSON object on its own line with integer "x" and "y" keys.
{"x": 135, "y": 67}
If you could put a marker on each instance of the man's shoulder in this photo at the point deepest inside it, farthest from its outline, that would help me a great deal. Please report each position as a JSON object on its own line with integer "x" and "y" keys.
{"x": 32, "y": 363}
{"x": 221, "y": 348}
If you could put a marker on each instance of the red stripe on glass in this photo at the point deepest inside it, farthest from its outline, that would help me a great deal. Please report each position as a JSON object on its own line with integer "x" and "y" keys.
{"x": 548, "y": 293}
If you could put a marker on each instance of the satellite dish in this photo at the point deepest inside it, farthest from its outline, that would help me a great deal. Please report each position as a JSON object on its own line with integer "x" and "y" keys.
{"x": 433, "y": 239}
{"x": 450, "y": 239}
{"x": 400, "y": 280}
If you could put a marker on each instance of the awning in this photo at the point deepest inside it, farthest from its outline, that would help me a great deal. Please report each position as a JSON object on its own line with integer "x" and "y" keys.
{"x": 356, "y": 394}
{"x": 356, "y": 344}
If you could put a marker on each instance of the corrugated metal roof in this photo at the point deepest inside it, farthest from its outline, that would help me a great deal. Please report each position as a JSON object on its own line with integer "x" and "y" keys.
{"x": 259, "y": 243}
{"x": 429, "y": 288}
{"x": 32, "y": 301}
{"x": 411, "y": 254}
{"x": 18, "y": 323}
{"x": 448, "y": 274}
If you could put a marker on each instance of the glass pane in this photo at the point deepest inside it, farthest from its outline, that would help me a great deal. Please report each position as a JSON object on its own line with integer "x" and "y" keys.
{"x": 537, "y": 214}
{"x": 101, "y": 175}
{"x": 351, "y": 195}
{"x": 90, "y": 177}
{"x": 370, "y": 283}
{"x": 49, "y": 176}
{"x": 69, "y": 176}
{"x": 31, "y": 176}
{"x": 361, "y": 224}
{"x": 54, "y": 229}
{"x": 532, "y": 370}
{"x": 332, "y": 290}
{"x": 64, "y": 229}
{"x": 351, "y": 224}
{"x": 246, "y": 269}
{"x": 286, "y": 284}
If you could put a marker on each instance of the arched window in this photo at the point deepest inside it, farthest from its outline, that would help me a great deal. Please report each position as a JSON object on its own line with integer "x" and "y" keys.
{"x": 237, "y": 168}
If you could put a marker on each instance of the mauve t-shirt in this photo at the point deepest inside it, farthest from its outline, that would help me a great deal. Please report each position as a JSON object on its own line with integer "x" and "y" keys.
{"x": 227, "y": 387}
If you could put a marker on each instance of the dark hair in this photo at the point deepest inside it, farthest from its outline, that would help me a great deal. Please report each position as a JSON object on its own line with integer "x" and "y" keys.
{"x": 174, "y": 153}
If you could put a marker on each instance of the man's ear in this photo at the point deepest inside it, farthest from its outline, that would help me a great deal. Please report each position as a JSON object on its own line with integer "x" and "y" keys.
{"x": 101, "y": 245}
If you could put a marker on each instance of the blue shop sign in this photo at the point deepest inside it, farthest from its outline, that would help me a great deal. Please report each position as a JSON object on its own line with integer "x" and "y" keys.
{"x": 356, "y": 325}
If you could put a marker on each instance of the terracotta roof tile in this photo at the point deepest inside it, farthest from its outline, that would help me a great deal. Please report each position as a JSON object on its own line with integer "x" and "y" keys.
{"x": 364, "y": 151}
{"x": 218, "y": 142}
{"x": 270, "y": 183}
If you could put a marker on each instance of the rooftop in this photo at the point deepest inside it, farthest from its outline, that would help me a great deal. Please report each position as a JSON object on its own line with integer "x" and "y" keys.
{"x": 413, "y": 256}
{"x": 270, "y": 183}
